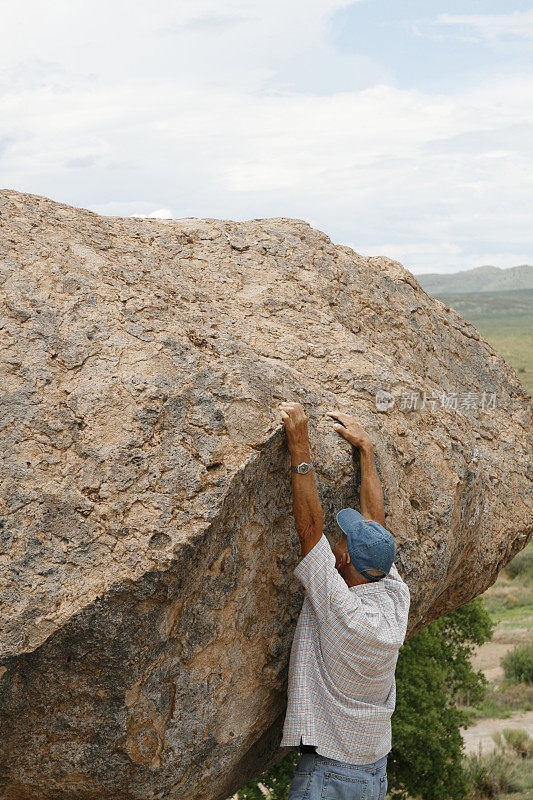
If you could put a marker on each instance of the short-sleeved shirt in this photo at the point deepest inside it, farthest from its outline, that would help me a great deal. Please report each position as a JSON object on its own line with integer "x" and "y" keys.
{"x": 342, "y": 689}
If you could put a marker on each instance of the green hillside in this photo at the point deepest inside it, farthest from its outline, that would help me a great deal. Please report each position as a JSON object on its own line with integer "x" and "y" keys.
{"x": 505, "y": 319}
{"x": 480, "y": 279}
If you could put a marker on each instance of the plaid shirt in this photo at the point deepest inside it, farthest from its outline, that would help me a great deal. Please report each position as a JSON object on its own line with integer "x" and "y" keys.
{"x": 342, "y": 690}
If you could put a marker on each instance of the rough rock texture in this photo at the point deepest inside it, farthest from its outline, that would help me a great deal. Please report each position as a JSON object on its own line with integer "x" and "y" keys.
{"x": 147, "y": 538}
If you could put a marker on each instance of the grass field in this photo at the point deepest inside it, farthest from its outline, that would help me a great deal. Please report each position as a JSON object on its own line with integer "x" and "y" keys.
{"x": 505, "y": 319}
{"x": 502, "y": 774}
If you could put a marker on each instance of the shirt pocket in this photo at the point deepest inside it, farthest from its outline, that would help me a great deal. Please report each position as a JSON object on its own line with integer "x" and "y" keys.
{"x": 343, "y": 787}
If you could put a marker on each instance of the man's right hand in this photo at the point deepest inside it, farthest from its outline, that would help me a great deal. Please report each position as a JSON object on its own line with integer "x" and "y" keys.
{"x": 350, "y": 429}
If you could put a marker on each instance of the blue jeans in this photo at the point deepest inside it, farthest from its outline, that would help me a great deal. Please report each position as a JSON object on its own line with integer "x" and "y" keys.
{"x": 320, "y": 778}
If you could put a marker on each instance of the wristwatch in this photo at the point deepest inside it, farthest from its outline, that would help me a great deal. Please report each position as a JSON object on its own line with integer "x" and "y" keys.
{"x": 302, "y": 468}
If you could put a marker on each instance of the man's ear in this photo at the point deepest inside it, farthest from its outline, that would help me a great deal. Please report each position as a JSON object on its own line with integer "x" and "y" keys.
{"x": 344, "y": 560}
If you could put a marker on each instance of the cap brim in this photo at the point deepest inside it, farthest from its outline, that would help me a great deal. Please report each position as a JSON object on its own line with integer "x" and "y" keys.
{"x": 348, "y": 518}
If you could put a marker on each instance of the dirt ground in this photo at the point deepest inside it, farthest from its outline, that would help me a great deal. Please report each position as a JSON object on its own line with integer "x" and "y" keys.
{"x": 487, "y": 658}
{"x": 481, "y": 732}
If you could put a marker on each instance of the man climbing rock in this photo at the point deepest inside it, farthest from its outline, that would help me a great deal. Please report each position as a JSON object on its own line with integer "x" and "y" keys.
{"x": 342, "y": 690}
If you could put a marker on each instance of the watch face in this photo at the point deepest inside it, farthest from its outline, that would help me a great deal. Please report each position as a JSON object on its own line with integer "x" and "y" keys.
{"x": 304, "y": 468}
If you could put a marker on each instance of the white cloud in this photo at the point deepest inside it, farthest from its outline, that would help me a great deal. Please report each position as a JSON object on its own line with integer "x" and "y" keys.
{"x": 165, "y": 114}
{"x": 160, "y": 213}
{"x": 490, "y": 27}
{"x": 420, "y": 258}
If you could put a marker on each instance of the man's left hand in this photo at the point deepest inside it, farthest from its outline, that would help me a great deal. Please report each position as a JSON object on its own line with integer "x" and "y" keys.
{"x": 295, "y": 425}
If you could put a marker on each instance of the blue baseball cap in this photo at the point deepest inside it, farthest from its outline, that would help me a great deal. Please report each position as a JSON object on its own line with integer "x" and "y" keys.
{"x": 370, "y": 545}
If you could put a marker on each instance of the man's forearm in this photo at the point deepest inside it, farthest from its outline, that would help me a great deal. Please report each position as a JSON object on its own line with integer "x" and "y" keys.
{"x": 306, "y": 506}
{"x": 305, "y": 501}
{"x": 371, "y": 493}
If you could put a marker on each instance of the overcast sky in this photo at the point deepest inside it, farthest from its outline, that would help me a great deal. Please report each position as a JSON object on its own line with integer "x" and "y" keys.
{"x": 399, "y": 127}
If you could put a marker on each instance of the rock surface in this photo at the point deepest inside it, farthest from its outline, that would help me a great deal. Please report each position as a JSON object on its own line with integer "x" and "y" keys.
{"x": 148, "y": 601}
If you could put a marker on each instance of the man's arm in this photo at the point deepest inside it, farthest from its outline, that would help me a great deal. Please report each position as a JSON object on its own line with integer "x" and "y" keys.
{"x": 371, "y": 494}
{"x": 306, "y": 506}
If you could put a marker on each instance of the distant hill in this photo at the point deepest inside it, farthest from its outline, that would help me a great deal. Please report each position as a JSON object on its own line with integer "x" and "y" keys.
{"x": 480, "y": 279}
{"x": 499, "y": 303}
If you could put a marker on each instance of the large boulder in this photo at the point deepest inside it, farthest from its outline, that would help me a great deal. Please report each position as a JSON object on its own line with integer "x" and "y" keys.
{"x": 148, "y": 600}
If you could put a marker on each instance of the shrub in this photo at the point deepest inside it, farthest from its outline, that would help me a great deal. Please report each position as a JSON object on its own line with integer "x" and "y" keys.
{"x": 503, "y": 700}
{"x": 490, "y": 774}
{"x": 433, "y": 669}
{"x": 518, "y": 663}
{"x": 276, "y": 780}
{"x": 517, "y": 739}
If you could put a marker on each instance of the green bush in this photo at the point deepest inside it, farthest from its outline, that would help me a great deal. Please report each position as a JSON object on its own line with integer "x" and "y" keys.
{"x": 503, "y": 700}
{"x": 277, "y": 780}
{"x": 433, "y": 670}
{"x": 490, "y": 774}
{"x": 517, "y": 739}
{"x": 518, "y": 663}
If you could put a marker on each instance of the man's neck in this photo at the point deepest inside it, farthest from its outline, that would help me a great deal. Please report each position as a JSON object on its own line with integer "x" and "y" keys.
{"x": 352, "y": 577}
